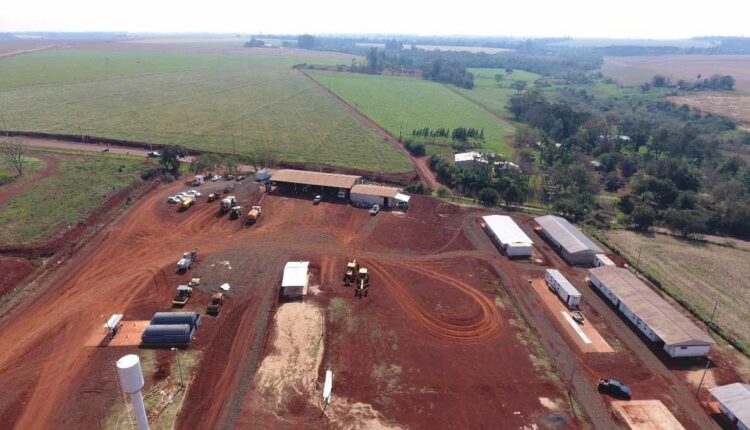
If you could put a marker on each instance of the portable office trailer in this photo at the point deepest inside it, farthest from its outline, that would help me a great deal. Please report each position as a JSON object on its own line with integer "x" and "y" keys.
{"x": 563, "y": 288}
{"x": 295, "y": 280}
{"x": 508, "y": 236}
{"x": 602, "y": 260}
{"x": 650, "y": 313}
{"x": 191, "y": 318}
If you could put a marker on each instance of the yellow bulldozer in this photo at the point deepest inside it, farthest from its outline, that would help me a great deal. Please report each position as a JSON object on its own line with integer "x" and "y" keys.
{"x": 352, "y": 267}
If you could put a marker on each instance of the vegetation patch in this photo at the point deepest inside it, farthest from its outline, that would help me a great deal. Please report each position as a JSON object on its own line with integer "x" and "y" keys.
{"x": 66, "y": 198}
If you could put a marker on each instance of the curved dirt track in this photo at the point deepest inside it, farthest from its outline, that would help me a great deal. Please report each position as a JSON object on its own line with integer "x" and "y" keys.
{"x": 51, "y": 163}
{"x": 474, "y": 326}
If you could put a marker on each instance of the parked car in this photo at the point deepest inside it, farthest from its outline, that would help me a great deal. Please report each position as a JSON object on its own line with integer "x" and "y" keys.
{"x": 194, "y": 193}
{"x": 216, "y": 178}
{"x": 614, "y": 388}
{"x": 578, "y": 317}
{"x": 174, "y": 199}
{"x": 153, "y": 154}
{"x": 317, "y": 199}
{"x": 241, "y": 178}
{"x": 375, "y": 209}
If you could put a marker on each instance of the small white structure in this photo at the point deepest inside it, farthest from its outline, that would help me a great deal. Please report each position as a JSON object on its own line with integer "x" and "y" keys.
{"x": 385, "y": 197}
{"x": 328, "y": 387}
{"x": 602, "y": 260}
{"x": 296, "y": 279}
{"x": 113, "y": 325}
{"x": 651, "y": 314}
{"x": 563, "y": 288}
{"x": 508, "y": 235}
{"x": 476, "y": 160}
{"x": 734, "y": 402}
{"x": 131, "y": 381}
{"x": 199, "y": 180}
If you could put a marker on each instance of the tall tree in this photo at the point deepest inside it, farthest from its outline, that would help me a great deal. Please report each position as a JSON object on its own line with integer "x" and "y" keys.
{"x": 170, "y": 159}
{"x": 14, "y": 152}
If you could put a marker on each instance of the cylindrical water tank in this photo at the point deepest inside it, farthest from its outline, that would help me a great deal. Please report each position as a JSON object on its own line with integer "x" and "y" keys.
{"x": 131, "y": 376}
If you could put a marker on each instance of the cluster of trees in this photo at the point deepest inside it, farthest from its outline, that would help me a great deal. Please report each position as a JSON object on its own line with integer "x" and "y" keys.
{"x": 666, "y": 157}
{"x": 255, "y": 43}
{"x": 449, "y": 72}
{"x": 462, "y": 134}
{"x": 714, "y": 82}
{"x": 489, "y": 185}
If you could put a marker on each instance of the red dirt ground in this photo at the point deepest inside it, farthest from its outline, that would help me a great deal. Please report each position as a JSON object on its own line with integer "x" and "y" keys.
{"x": 15, "y": 270}
{"x": 445, "y": 308}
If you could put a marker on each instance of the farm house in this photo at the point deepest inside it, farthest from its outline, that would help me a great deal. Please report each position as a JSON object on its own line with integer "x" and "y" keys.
{"x": 333, "y": 184}
{"x": 508, "y": 236}
{"x": 602, "y": 260}
{"x": 476, "y": 160}
{"x": 386, "y": 197}
{"x": 734, "y": 402}
{"x": 570, "y": 242}
{"x": 654, "y": 317}
{"x": 296, "y": 279}
{"x": 563, "y": 288}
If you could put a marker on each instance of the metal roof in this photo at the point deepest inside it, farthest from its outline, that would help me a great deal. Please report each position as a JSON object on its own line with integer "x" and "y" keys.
{"x": 565, "y": 285}
{"x": 468, "y": 156}
{"x": 375, "y": 190}
{"x": 564, "y": 233}
{"x": 295, "y": 274}
{"x": 334, "y": 180}
{"x": 736, "y": 398}
{"x": 506, "y": 230}
{"x": 670, "y": 325}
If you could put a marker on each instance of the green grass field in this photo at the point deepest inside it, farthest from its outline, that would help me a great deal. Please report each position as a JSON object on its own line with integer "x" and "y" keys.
{"x": 82, "y": 183}
{"x": 404, "y": 104}
{"x": 8, "y": 174}
{"x": 489, "y": 95}
{"x": 198, "y": 100}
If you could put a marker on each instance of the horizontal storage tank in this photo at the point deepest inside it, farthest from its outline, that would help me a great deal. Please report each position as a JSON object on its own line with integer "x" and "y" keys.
{"x": 168, "y": 330}
{"x": 191, "y": 318}
{"x": 166, "y": 340}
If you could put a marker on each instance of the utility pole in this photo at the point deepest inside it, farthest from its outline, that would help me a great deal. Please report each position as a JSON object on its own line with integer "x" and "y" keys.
{"x": 179, "y": 368}
{"x": 638, "y": 262}
{"x": 700, "y": 384}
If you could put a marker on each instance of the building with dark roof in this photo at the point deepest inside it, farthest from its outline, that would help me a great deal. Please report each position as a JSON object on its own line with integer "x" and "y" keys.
{"x": 570, "y": 242}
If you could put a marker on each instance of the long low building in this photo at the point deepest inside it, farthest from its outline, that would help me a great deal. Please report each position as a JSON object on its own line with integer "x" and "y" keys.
{"x": 654, "y": 317}
{"x": 570, "y": 242}
{"x": 318, "y": 182}
{"x": 508, "y": 235}
{"x": 386, "y": 197}
{"x": 563, "y": 288}
{"x": 734, "y": 402}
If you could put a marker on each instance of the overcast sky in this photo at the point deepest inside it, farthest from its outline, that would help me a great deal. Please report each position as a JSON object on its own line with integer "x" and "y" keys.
{"x": 659, "y": 19}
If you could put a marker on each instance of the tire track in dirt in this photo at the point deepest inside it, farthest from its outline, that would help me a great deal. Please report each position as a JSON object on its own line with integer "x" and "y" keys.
{"x": 51, "y": 166}
{"x": 463, "y": 328}
{"x": 423, "y": 171}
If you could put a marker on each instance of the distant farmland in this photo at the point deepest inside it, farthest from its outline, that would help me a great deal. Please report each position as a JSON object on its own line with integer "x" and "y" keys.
{"x": 208, "y": 101}
{"x": 699, "y": 274}
{"x": 401, "y": 104}
{"x": 637, "y": 70}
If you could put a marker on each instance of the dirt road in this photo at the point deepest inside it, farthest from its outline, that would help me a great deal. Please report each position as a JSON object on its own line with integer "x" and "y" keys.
{"x": 420, "y": 163}
{"x": 50, "y": 168}
{"x": 39, "y": 142}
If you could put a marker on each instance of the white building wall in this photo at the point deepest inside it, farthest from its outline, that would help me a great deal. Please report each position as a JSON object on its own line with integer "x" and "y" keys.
{"x": 366, "y": 199}
{"x": 517, "y": 250}
{"x": 607, "y": 293}
{"x": 645, "y": 329}
{"x": 601, "y": 260}
{"x": 687, "y": 351}
{"x": 572, "y": 301}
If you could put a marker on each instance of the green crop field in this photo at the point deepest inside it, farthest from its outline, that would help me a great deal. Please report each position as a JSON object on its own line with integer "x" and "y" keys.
{"x": 210, "y": 101}
{"x": 81, "y": 184}
{"x": 401, "y": 104}
{"x": 491, "y": 95}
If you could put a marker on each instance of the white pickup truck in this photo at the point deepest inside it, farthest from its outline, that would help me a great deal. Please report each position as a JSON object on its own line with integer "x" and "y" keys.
{"x": 188, "y": 258}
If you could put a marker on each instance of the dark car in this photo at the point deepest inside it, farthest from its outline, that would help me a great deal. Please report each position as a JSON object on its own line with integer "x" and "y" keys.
{"x": 614, "y": 388}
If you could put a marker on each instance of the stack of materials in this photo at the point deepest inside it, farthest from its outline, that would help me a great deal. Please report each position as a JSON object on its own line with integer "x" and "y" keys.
{"x": 171, "y": 329}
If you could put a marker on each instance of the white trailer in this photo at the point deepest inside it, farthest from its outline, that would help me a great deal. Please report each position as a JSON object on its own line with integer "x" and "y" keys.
{"x": 199, "y": 180}
{"x": 563, "y": 288}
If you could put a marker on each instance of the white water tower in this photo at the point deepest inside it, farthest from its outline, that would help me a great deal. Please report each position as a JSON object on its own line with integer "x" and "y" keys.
{"x": 131, "y": 381}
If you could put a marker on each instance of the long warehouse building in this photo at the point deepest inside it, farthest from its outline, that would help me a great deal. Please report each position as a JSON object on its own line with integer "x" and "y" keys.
{"x": 508, "y": 235}
{"x": 734, "y": 402}
{"x": 318, "y": 182}
{"x": 654, "y": 317}
{"x": 570, "y": 242}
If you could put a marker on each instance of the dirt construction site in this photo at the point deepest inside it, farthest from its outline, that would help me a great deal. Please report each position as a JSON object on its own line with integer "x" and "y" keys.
{"x": 451, "y": 335}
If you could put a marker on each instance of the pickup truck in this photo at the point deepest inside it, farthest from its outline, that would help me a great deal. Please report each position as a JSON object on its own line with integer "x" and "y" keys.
{"x": 188, "y": 258}
{"x": 183, "y": 294}
{"x": 614, "y": 388}
{"x": 374, "y": 210}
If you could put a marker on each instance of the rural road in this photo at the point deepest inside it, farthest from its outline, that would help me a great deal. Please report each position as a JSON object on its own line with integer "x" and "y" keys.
{"x": 89, "y": 147}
